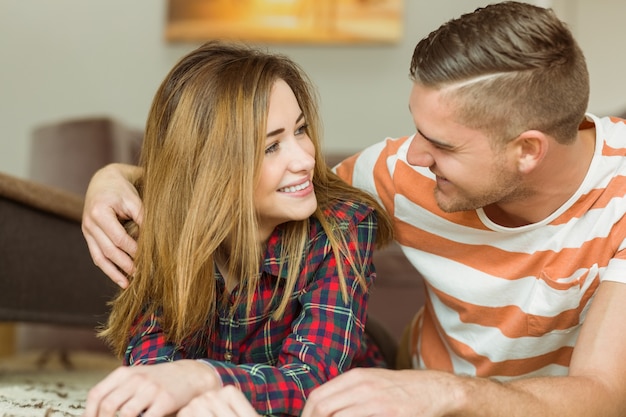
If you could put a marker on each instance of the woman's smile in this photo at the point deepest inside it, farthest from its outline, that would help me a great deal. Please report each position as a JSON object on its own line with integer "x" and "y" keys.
{"x": 303, "y": 188}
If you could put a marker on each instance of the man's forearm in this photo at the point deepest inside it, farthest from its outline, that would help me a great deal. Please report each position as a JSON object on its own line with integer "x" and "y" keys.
{"x": 546, "y": 397}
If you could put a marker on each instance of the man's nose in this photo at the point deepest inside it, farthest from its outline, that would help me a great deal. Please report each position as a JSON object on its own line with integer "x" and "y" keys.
{"x": 419, "y": 153}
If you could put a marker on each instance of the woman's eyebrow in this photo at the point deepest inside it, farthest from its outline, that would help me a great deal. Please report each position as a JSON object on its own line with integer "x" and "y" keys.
{"x": 282, "y": 129}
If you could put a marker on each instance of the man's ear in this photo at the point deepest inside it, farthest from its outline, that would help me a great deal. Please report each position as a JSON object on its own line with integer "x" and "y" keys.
{"x": 530, "y": 148}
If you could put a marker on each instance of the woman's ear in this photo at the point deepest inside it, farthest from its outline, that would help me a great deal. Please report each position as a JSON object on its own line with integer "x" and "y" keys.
{"x": 530, "y": 148}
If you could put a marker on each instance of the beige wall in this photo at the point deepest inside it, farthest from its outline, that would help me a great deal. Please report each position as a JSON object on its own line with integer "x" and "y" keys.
{"x": 69, "y": 58}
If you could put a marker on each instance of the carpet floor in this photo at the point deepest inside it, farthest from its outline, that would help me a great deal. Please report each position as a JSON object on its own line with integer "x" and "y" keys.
{"x": 51, "y": 383}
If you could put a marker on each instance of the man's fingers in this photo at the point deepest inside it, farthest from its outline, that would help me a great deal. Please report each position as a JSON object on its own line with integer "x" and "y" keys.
{"x": 133, "y": 207}
{"x": 109, "y": 268}
{"x": 117, "y": 248}
{"x": 120, "y": 251}
{"x": 333, "y": 396}
{"x": 106, "y": 228}
{"x": 110, "y": 198}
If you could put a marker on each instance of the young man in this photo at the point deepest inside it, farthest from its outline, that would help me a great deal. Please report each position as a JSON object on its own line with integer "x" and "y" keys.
{"x": 510, "y": 200}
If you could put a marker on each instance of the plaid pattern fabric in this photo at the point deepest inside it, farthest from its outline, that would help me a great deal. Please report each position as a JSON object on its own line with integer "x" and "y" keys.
{"x": 276, "y": 363}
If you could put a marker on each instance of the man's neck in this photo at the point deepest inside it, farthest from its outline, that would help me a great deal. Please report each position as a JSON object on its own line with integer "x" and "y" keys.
{"x": 551, "y": 185}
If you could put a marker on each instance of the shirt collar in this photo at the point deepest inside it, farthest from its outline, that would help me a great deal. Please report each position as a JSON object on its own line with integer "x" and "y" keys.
{"x": 272, "y": 257}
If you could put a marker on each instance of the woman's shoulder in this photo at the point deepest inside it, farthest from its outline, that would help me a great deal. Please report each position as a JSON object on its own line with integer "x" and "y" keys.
{"x": 354, "y": 220}
{"x": 347, "y": 213}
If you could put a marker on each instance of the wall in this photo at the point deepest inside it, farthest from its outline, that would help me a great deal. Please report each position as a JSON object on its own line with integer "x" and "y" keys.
{"x": 69, "y": 58}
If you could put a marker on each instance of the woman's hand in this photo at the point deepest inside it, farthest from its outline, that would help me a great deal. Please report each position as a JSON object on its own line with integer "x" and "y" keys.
{"x": 155, "y": 390}
{"x": 110, "y": 198}
{"x": 224, "y": 402}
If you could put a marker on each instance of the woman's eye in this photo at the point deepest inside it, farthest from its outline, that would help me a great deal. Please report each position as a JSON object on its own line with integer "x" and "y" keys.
{"x": 302, "y": 129}
{"x": 272, "y": 148}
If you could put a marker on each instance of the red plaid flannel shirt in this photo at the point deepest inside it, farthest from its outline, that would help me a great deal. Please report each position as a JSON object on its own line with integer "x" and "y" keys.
{"x": 278, "y": 363}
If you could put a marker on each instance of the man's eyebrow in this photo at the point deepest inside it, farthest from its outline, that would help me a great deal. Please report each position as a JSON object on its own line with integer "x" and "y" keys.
{"x": 282, "y": 129}
{"x": 435, "y": 142}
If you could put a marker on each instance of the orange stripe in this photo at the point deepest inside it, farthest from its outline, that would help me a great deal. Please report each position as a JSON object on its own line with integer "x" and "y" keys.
{"x": 506, "y": 264}
{"x": 392, "y": 145}
{"x": 431, "y": 347}
{"x": 385, "y": 185}
{"x": 598, "y": 198}
{"x": 513, "y": 367}
{"x": 435, "y": 355}
{"x": 511, "y": 320}
{"x": 346, "y": 169}
{"x": 609, "y": 151}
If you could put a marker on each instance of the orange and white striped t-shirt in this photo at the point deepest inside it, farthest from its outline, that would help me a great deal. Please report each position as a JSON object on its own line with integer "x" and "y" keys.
{"x": 503, "y": 302}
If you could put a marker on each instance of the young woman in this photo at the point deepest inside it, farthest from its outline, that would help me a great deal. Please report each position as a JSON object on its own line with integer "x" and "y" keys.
{"x": 253, "y": 259}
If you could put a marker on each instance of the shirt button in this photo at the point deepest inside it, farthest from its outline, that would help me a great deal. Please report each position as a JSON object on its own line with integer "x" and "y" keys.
{"x": 228, "y": 356}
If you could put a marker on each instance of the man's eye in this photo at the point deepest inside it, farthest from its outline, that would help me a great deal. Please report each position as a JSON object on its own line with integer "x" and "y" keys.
{"x": 438, "y": 146}
{"x": 272, "y": 148}
{"x": 302, "y": 129}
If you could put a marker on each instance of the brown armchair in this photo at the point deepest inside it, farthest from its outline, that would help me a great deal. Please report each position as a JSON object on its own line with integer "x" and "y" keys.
{"x": 48, "y": 283}
{"x": 46, "y": 273}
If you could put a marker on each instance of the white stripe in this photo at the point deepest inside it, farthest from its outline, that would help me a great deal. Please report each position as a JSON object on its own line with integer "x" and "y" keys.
{"x": 491, "y": 343}
{"x": 363, "y": 174}
{"x": 491, "y": 291}
{"x": 549, "y": 370}
{"x": 612, "y": 133}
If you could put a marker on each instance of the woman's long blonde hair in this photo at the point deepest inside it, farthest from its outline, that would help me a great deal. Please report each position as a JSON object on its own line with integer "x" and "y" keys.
{"x": 202, "y": 152}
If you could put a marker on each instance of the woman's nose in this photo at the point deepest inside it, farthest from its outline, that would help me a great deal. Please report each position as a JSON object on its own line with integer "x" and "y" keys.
{"x": 303, "y": 158}
{"x": 418, "y": 153}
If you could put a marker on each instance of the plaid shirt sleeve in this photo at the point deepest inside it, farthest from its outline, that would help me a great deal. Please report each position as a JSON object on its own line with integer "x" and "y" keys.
{"x": 148, "y": 344}
{"x": 327, "y": 333}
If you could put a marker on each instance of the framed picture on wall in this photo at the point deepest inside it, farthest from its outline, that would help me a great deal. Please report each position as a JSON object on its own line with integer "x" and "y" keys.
{"x": 286, "y": 21}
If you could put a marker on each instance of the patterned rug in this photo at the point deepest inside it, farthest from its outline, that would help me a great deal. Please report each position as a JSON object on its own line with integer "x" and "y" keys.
{"x": 50, "y": 384}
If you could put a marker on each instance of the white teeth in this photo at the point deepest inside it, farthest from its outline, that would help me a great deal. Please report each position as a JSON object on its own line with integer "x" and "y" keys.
{"x": 295, "y": 188}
